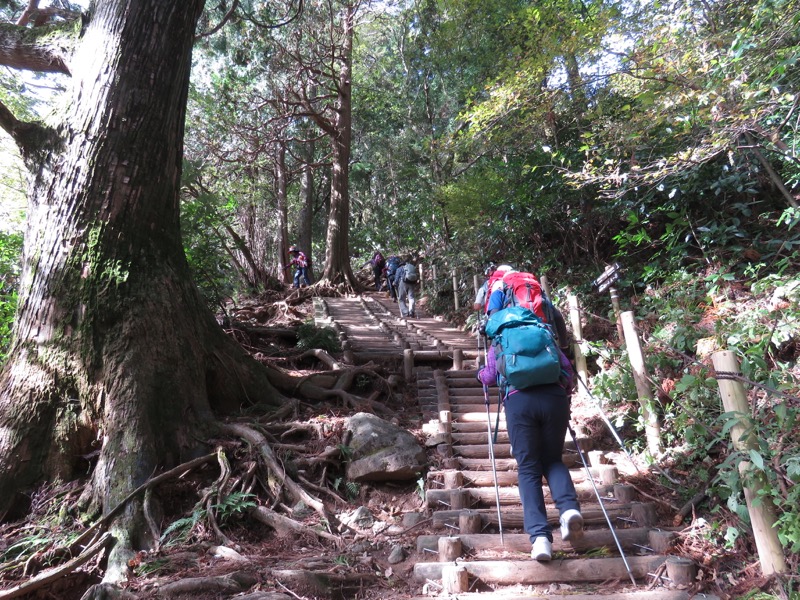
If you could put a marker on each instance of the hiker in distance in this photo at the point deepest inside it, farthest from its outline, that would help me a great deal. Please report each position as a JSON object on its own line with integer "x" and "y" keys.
{"x": 299, "y": 261}
{"x": 378, "y": 263}
{"x": 389, "y": 271}
{"x": 406, "y": 280}
{"x": 536, "y": 418}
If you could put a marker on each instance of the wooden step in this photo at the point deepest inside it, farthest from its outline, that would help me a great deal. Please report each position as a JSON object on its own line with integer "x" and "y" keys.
{"x": 569, "y": 594}
{"x": 531, "y": 572}
{"x": 485, "y": 478}
{"x": 508, "y": 494}
{"x": 594, "y": 540}
{"x": 512, "y": 518}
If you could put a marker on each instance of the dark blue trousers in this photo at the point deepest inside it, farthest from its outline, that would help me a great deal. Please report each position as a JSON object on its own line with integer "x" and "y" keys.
{"x": 301, "y": 272}
{"x": 537, "y": 421}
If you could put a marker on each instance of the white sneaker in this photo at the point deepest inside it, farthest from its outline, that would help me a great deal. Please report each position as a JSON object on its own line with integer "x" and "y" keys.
{"x": 571, "y": 526}
{"x": 542, "y": 549}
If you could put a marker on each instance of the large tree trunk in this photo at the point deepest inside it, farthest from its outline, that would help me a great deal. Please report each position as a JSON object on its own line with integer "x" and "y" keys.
{"x": 283, "y": 217}
{"x": 337, "y": 253}
{"x": 306, "y": 225}
{"x": 114, "y": 349}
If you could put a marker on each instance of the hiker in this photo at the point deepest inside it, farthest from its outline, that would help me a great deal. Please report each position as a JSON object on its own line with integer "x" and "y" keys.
{"x": 390, "y": 270}
{"x": 493, "y": 274}
{"x": 378, "y": 263}
{"x": 537, "y": 418}
{"x": 300, "y": 261}
{"x": 406, "y": 280}
{"x": 480, "y": 295}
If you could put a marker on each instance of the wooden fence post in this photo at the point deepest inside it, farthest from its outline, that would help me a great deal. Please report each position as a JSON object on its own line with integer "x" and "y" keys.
{"x": 421, "y": 279}
{"x": 652, "y": 427}
{"x": 455, "y": 289}
{"x": 475, "y": 285}
{"x": 408, "y": 364}
{"x": 617, "y": 312}
{"x": 760, "y": 507}
{"x": 545, "y": 286}
{"x": 577, "y": 332}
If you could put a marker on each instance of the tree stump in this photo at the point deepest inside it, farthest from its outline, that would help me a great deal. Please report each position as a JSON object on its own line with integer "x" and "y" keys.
{"x": 596, "y": 458}
{"x": 459, "y": 499}
{"x": 661, "y": 541}
{"x": 450, "y": 463}
{"x": 681, "y": 571}
{"x": 644, "y": 514}
{"x": 469, "y": 521}
{"x": 609, "y": 474}
{"x": 449, "y": 548}
{"x": 455, "y": 579}
{"x": 624, "y": 493}
{"x": 458, "y": 359}
{"x": 408, "y": 364}
{"x": 453, "y": 479}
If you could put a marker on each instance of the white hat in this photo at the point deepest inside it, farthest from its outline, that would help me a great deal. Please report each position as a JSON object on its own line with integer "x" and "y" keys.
{"x": 505, "y": 268}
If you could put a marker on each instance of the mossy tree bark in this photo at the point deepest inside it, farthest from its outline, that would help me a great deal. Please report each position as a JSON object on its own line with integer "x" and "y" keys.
{"x": 114, "y": 348}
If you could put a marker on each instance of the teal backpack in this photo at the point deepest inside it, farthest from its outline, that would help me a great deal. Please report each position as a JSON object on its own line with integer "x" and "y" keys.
{"x": 526, "y": 351}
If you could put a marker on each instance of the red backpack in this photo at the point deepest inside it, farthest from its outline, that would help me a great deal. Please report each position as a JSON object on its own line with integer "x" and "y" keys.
{"x": 523, "y": 289}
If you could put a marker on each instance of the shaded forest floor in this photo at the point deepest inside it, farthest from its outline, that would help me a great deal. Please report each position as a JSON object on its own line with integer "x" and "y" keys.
{"x": 356, "y": 565}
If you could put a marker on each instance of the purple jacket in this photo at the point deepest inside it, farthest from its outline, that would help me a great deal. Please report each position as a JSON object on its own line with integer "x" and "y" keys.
{"x": 488, "y": 374}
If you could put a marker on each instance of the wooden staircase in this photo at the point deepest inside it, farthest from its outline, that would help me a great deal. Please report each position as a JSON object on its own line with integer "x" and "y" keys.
{"x": 463, "y": 552}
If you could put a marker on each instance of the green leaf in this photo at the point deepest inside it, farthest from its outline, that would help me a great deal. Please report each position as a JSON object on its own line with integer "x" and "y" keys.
{"x": 757, "y": 459}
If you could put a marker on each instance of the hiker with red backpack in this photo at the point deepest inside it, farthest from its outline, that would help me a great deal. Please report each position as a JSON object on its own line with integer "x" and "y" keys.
{"x": 494, "y": 281}
{"x": 535, "y": 379}
{"x": 300, "y": 261}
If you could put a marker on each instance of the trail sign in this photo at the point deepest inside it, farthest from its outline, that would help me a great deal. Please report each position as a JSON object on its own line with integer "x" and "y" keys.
{"x": 608, "y": 278}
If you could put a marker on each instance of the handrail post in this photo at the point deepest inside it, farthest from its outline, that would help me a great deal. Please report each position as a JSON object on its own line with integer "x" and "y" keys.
{"x": 759, "y": 506}
{"x": 642, "y": 379}
{"x": 577, "y": 333}
{"x": 455, "y": 290}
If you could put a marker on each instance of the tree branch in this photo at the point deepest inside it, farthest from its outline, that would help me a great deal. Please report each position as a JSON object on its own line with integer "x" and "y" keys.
{"x": 43, "y": 49}
{"x": 28, "y": 136}
{"x": 776, "y": 179}
{"x": 218, "y": 26}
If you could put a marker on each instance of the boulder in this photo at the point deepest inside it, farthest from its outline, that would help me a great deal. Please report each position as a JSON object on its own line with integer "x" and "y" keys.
{"x": 382, "y": 451}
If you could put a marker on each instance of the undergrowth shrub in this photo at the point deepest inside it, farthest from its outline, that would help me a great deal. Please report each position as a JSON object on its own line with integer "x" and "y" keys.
{"x": 759, "y": 324}
{"x": 309, "y": 337}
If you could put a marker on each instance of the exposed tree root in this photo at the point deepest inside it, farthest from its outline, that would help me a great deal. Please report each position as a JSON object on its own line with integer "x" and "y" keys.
{"x": 284, "y": 526}
{"x": 109, "y": 517}
{"x": 233, "y": 583}
{"x": 316, "y": 583}
{"x": 323, "y": 357}
{"x": 265, "y": 451}
{"x": 47, "y": 577}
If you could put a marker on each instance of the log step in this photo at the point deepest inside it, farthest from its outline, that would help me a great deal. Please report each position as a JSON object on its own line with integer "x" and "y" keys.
{"x": 531, "y": 572}
{"x": 508, "y": 495}
{"x": 634, "y": 539}
{"x": 512, "y": 518}
{"x": 635, "y": 595}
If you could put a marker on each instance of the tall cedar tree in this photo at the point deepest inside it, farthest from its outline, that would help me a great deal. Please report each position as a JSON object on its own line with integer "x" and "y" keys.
{"x": 114, "y": 349}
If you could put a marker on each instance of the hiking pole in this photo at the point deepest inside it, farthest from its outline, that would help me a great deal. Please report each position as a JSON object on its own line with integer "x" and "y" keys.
{"x": 491, "y": 451}
{"x": 609, "y": 425}
{"x": 600, "y": 500}
{"x": 494, "y": 466}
